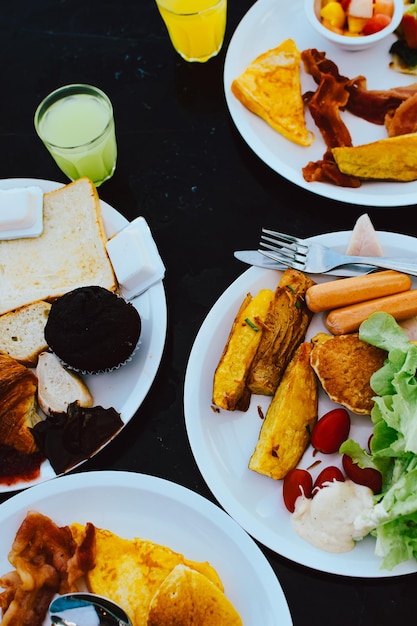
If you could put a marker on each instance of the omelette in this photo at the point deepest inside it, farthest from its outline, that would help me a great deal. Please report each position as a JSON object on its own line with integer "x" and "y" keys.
{"x": 131, "y": 571}
{"x": 270, "y": 87}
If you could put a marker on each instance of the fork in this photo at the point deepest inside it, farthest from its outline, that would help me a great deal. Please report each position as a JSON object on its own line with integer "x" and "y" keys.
{"x": 314, "y": 258}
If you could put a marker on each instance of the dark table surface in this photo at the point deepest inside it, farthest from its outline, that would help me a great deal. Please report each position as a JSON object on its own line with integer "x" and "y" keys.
{"x": 184, "y": 167}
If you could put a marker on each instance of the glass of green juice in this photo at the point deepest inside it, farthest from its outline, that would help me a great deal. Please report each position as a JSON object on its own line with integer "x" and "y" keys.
{"x": 76, "y": 124}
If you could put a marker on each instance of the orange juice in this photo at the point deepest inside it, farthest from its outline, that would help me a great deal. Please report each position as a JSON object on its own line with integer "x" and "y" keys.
{"x": 196, "y": 27}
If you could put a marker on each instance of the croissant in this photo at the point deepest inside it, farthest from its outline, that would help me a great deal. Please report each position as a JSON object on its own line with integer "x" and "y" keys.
{"x": 18, "y": 408}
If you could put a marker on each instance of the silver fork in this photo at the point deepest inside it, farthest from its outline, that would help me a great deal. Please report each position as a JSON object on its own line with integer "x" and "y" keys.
{"x": 314, "y": 258}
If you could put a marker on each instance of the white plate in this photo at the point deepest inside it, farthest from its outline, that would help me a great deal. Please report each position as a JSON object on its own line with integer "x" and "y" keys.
{"x": 222, "y": 443}
{"x": 265, "y": 26}
{"x": 133, "y": 505}
{"x": 126, "y": 388}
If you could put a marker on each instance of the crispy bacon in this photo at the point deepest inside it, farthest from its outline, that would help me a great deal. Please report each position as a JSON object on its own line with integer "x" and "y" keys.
{"x": 326, "y": 171}
{"x": 336, "y": 93}
{"x": 47, "y": 561}
{"x": 404, "y": 119}
{"x": 325, "y": 105}
{"x": 372, "y": 105}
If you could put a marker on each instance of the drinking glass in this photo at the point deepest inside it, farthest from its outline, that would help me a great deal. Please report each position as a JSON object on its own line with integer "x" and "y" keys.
{"x": 196, "y": 27}
{"x": 76, "y": 124}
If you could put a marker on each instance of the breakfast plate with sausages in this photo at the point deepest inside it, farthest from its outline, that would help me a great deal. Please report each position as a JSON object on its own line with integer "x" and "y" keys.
{"x": 265, "y": 26}
{"x": 223, "y": 441}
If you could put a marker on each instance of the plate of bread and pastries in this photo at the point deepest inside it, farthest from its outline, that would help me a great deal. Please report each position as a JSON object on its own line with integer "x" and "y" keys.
{"x": 200, "y": 568}
{"x": 83, "y": 324}
{"x": 251, "y": 408}
{"x": 280, "y": 110}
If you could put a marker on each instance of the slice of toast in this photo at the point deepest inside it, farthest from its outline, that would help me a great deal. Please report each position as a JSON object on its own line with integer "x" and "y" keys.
{"x": 22, "y": 332}
{"x": 70, "y": 252}
{"x": 270, "y": 87}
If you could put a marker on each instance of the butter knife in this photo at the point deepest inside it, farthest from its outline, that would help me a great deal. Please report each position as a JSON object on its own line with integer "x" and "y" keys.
{"x": 253, "y": 257}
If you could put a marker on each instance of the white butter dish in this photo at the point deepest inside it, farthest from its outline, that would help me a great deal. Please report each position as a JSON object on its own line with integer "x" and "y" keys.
{"x": 21, "y": 212}
{"x": 135, "y": 258}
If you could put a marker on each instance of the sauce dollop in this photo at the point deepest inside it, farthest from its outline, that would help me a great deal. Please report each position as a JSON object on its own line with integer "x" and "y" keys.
{"x": 327, "y": 520}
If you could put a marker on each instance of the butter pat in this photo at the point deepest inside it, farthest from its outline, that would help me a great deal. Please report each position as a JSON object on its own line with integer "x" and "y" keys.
{"x": 135, "y": 258}
{"x": 21, "y": 212}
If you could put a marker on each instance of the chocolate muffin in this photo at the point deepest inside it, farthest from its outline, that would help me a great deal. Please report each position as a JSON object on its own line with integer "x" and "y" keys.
{"x": 92, "y": 329}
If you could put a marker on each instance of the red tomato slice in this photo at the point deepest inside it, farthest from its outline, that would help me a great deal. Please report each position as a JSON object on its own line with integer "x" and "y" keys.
{"x": 367, "y": 476}
{"x": 297, "y": 482}
{"x": 327, "y": 475}
{"x": 330, "y": 431}
{"x": 377, "y": 22}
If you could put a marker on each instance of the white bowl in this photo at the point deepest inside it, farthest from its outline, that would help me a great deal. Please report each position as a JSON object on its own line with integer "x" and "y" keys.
{"x": 361, "y": 42}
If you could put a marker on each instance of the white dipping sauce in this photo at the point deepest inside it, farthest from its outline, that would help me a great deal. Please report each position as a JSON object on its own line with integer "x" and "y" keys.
{"x": 327, "y": 520}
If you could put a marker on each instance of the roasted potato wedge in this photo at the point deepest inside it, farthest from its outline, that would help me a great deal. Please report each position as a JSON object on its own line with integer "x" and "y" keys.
{"x": 286, "y": 429}
{"x": 285, "y": 327}
{"x": 229, "y": 386}
{"x": 392, "y": 158}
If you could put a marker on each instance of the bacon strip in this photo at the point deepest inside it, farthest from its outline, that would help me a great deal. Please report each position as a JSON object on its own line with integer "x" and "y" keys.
{"x": 47, "y": 561}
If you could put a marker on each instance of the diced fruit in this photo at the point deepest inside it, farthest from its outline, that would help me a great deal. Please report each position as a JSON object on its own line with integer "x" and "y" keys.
{"x": 360, "y": 8}
{"x": 333, "y": 14}
{"x": 297, "y": 482}
{"x": 384, "y": 6}
{"x": 367, "y": 476}
{"x": 376, "y": 23}
{"x": 327, "y": 475}
{"x": 330, "y": 431}
{"x": 357, "y": 17}
{"x": 356, "y": 24}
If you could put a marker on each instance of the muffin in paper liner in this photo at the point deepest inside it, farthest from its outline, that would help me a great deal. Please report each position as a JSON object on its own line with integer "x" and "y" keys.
{"x": 93, "y": 330}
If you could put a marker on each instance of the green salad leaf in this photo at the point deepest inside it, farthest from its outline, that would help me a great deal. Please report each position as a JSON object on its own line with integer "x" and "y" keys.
{"x": 393, "y": 447}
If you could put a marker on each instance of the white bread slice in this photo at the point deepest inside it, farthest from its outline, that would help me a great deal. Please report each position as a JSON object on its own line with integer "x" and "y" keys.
{"x": 22, "y": 332}
{"x": 70, "y": 252}
{"x": 58, "y": 387}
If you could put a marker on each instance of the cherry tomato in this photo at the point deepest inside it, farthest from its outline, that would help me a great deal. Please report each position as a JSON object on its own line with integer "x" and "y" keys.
{"x": 330, "y": 431}
{"x": 297, "y": 482}
{"x": 328, "y": 474}
{"x": 367, "y": 476}
{"x": 376, "y": 23}
{"x": 345, "y": 5}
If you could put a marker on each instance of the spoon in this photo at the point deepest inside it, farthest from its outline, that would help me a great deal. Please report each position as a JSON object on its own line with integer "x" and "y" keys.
{"x": 86, "y": 609}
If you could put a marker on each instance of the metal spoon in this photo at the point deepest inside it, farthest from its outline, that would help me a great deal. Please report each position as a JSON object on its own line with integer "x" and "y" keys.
{"x": 63, "y": 610}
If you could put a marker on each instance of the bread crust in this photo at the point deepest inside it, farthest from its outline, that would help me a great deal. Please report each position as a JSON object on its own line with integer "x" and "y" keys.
{"x": 70, "y": 252}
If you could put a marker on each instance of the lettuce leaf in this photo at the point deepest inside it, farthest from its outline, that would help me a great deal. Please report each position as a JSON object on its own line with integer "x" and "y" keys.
{"x": 393, "y": 448}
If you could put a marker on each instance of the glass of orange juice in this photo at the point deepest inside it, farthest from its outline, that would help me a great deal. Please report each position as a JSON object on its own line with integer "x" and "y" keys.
{"x": 196, "y": 27}
{"x": 76, "y": 125}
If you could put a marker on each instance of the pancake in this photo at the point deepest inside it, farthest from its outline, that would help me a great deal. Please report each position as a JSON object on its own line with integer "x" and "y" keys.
{"x": 344, "y": 365}
{"x": 270, "y": 87}
{"x": 188, "y": 597}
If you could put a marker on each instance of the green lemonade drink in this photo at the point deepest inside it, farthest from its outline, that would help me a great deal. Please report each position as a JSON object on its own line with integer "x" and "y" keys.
{"x": 76, "y": 125}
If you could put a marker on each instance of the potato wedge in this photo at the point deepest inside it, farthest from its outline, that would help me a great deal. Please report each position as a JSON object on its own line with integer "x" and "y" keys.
{"x": 285, "y": 328}
{"x": 286, "y": 429}
{"x": 392, "y": 158}
{"x": 229, "y": 386}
